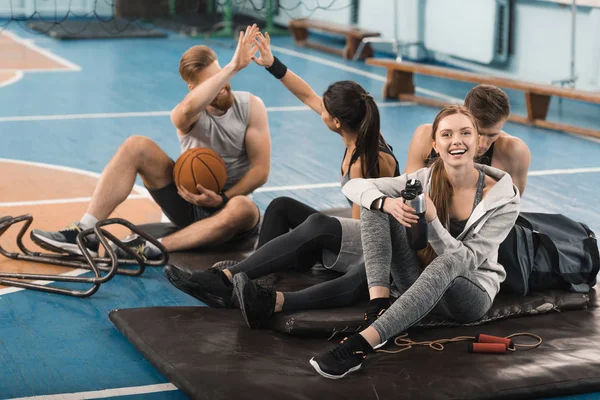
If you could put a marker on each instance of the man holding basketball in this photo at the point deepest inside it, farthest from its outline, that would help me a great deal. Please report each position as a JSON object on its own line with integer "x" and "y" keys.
{"x": 233, "y": 124}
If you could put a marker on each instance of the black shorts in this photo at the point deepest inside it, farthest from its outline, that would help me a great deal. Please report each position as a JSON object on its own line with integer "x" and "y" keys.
{"x": 181, "y": 213}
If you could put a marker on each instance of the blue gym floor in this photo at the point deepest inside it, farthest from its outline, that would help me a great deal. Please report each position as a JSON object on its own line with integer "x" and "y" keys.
{"x": 53, "y": 345}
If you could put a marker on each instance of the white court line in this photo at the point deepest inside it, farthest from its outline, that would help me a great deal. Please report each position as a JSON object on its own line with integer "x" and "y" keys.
{"x": 35, "y": 70}
{"x": 563, "y": 171}
{"x": 30, "y": 44}
{"x": 75, "y": 272}
{"x": 269, "y": 189}
{"x": 61, "y": 201}
{"x": 18, "y": 76}
{"x": 103, "y": 394}
{"x": 297, "y": 187}
{"x": 358, "y": 71}
{"x": 160, "y": 113}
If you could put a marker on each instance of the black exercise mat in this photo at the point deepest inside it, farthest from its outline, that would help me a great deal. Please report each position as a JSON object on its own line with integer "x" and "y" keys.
{"x": 211, "y": 354}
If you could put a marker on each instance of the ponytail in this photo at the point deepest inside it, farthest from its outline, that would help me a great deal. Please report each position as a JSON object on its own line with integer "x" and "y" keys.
{"x": 368, "y": 140}
{"x": 357, "y": 111}
{"x": 441, "y": 195}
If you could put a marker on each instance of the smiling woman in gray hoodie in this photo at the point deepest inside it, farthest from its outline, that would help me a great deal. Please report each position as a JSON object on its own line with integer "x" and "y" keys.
{"x": 470, "y": 211}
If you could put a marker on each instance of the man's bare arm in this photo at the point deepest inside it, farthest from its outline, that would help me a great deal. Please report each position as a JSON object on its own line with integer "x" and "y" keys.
{"x": 420, "y": 146}
{"x": 258, "y": 147}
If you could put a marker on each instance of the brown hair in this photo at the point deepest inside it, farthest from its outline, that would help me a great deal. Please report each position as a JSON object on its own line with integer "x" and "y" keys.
{"x": 441, "y": 189}
{"x": 488, "y": 104}
{"x": 194, "y": 60}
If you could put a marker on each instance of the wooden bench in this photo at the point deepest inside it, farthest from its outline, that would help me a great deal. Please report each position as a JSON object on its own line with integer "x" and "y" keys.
{"x": 400, "y": 84}
{"x": 299, "y": 29}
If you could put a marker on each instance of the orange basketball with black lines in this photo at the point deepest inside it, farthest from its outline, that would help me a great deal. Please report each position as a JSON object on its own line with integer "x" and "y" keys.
{"x": 200, "y": 166}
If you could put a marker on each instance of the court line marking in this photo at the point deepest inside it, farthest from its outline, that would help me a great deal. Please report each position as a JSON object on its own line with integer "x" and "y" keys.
{"x": 18, "y": 76}
{"x": 105, "y": 393}
{"x": 161, "y": 113}
{"x": 31, "y": 45}
{"x": 358, "y": 71}
{"x": 62, "y": 201}
{"x": 567, "y": 171}
{"x": 75, "y": 272}
{"x": 268, "y": 189}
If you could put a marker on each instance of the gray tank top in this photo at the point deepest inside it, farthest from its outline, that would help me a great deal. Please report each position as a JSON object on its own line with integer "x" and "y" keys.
{"x": 226, "y": 135}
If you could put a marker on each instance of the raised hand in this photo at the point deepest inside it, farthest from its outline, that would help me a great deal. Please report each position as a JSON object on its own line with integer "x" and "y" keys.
{"x": 246, "y": 48}
{"x": 266, "y": 58}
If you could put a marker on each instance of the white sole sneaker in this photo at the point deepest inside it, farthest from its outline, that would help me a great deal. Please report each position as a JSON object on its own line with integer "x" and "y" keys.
{"x": 329, "y": 376}
{"x": 56, "y": 246}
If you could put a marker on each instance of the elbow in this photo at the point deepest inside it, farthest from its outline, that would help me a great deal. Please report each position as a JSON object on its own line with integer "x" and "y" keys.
{"x": 263, "y": 176}
{"x": 185, "y": 109}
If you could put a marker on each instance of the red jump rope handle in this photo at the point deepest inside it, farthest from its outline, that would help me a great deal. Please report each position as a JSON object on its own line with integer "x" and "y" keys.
{"x": 487, "y": 348}
{"x": 493, "y": 339}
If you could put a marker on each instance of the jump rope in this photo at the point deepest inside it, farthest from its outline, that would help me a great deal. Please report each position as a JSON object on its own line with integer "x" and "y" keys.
{"x": 482, "y": 343}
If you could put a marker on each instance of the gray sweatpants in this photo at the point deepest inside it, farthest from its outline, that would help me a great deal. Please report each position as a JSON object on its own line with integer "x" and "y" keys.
{"x": 446, "y": 285}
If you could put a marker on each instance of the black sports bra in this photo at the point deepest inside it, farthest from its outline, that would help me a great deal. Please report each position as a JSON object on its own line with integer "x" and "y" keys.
{"x": 456, "y": 227}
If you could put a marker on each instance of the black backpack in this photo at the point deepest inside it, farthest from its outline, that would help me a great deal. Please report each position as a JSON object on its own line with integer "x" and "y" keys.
{"x": 549, "y": 251}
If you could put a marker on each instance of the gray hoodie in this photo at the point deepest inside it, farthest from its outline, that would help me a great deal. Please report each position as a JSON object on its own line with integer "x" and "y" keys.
{"x": 488, "y": 225}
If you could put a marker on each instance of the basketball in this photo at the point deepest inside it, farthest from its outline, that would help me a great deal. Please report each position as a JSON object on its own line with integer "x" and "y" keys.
{"x": 200, "y": 166}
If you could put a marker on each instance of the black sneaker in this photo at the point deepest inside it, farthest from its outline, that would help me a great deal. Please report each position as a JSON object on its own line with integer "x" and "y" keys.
{"x": 64, "y": 241}
{"x": 375, "y": 309}
{"x": 345, "y": 358}
{"x": 207, "y": 286}
{"x": 139, "y": 245}
{"x": 256, "y": 302}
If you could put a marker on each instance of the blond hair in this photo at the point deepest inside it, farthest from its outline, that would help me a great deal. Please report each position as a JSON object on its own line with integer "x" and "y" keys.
{"x": 194, "y": 60}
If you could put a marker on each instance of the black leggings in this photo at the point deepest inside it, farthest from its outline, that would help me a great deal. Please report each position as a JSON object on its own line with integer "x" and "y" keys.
{"x": 282, "y": 214}
{"x": 300, "y": 249}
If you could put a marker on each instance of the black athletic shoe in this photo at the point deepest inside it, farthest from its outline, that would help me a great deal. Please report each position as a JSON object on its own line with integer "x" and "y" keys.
{"x": 345, "y": 358}
{"x": 207, "y": 286}
{"x": 375, "y": 309}
{"x": 139, "y": 245}
{"x": 64, "y": 241}
{"x": 256, "y": 302}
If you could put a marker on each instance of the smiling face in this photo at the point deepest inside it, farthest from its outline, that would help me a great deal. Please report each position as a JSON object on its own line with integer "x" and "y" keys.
{"x": 455, "y": 138}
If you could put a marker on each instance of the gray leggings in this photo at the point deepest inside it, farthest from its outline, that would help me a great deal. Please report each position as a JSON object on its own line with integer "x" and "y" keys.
{"x": 446, "y": 285}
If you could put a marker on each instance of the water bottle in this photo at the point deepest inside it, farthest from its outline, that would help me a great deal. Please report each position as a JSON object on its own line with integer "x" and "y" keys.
{"x": 413, "y": 196}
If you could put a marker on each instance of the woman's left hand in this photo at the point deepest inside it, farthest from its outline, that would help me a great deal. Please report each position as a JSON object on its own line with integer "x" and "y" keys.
{"x": 266, "y": 58}
{"x": 431, "y": 212}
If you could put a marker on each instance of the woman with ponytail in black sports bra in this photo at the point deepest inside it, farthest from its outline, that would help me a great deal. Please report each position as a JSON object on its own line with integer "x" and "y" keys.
{"x": 294, "y": 235}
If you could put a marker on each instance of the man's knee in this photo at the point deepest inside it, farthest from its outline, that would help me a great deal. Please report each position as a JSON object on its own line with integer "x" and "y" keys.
{"x": 141, "y": 148}
{"x": 240, "y": 214}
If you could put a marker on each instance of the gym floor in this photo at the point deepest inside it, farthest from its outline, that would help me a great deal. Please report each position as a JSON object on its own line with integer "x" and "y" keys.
{"x": 66, "y": 106}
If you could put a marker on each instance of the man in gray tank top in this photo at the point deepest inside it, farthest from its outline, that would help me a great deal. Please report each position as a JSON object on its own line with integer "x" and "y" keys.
{"x": 234, "y": 124}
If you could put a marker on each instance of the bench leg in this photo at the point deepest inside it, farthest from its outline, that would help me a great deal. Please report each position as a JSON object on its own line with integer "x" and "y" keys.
{"x": 537, "y": 106}
{"x": 398, "y": 83}
{"x": 352, "y": 45}
{"x": 300, "y": 35}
